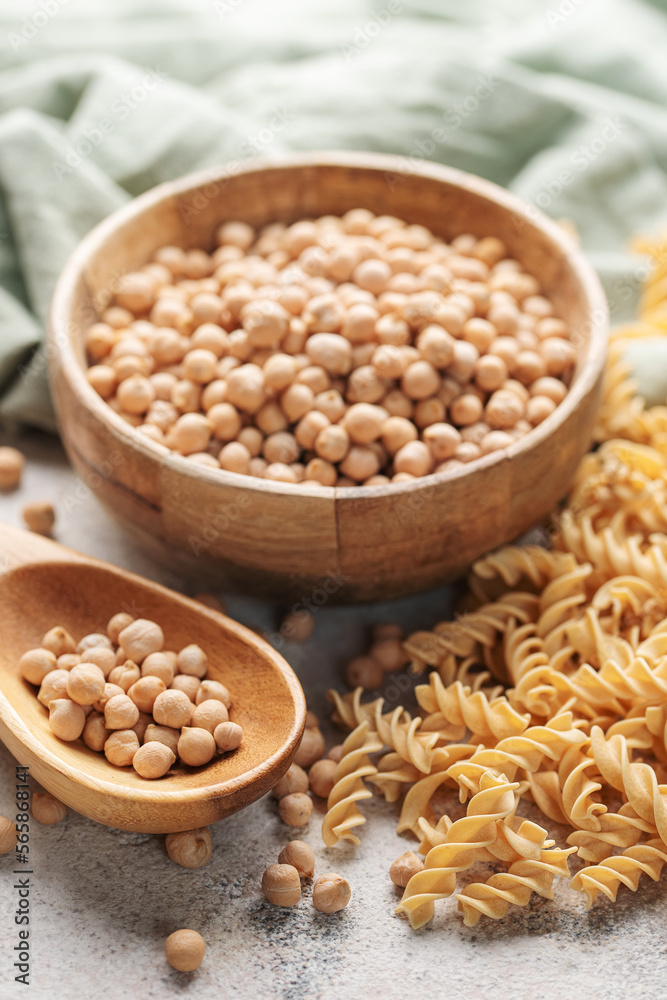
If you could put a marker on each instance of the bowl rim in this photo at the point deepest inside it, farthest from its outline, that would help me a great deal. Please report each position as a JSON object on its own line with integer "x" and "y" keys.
{"x": 60, "y": 323}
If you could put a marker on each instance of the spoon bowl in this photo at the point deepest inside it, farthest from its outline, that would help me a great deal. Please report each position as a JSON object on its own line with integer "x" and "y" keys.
{"x": 42, "y": 584}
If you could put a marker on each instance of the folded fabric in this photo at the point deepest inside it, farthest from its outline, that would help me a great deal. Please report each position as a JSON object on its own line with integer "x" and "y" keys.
{"x": 562, "y": 101}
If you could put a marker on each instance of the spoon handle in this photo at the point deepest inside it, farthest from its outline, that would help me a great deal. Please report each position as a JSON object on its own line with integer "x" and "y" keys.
{"x": 25, "y": 548}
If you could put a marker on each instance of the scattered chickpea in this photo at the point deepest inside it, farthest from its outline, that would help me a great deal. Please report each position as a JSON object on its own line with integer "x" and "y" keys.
{"x": 46, "y": 809}
{"x": 12, "y": 463}
{"x": 295, "y": 809}
{"x": 310, "y": 749}
{"x": 185, "y": 950}
{"x": 321, "y": 777}
{"x": 331, "y": 893}
{"x": 297, "y": 626}
{"x": 300, "y": 856}
{"x": 335, "y": 753}
{"x": 294, "y": 780}
{"x": 190, "y": 848}
{"x": 39, "y": 516}
{"x": 8, "y": 835}
{"x": 365, "y": 672}
{"x": 281, "y": 885}
{"x": 389, "y": 653}
{"x": 403, "y": 868}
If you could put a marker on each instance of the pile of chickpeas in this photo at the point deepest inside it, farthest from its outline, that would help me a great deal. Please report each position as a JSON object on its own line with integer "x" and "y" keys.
{"x": 332, "y": 352}
{"x": 129, "y": 698}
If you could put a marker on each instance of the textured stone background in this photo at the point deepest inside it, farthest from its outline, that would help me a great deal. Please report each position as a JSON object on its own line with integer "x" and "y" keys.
{"x": 104, "y": 900}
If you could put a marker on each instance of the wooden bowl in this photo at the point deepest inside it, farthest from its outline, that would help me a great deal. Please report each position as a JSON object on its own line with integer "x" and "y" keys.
{"x": 352, "y": 544}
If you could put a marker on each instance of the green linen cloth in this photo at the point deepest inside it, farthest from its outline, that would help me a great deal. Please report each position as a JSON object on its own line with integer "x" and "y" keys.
{"x": 563, "y": 101}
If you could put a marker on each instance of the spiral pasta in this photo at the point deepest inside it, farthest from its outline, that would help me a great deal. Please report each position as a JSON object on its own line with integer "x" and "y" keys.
{"x": 623, "y": 869}
{"x": 467, "y": 840}
{"x": 494, "y": 897}
{"x": 343, "y": 814}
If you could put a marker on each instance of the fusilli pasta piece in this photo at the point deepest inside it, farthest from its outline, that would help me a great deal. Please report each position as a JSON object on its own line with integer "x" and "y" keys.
{"x": 621, "y": 869}
{"x": 343, "y": 813}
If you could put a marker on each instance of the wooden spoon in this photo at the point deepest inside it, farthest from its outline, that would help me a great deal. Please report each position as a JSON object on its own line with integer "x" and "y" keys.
{"x": 43, "y": 584}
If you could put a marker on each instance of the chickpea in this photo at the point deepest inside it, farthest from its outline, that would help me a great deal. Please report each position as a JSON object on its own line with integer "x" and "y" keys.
{"x": 66, "y": 719}
{"x": 529, "y": 366}
{"x": 365, "y": 672}
{"x": 140, "y": 638}
{"x": 414, "y": 458}
{"x": 196, "y": 746}
{"x": 551, "y": 387}
{"x": 160, "y": 665}
{"x": 330, "y": 404}
{"x": 436, "y": 346}
{"x": 12, "y": 463}
{"x": 281, "y": 885}
{"x": 120, "y": 712}
{"x": 559, "y": 355}
{"x": 103, "y": 380}
{"x": 490, "y": 372}
{"x": 300, "y": 856}
{"x": 227, "y": 736}
{"x": 125, "y": 675}
{"x": 234, "y": 457}
{"x": 403, "y": 868}
{"x": 463, "y": 364}
{"x": 95, "y": 733}
{"x": 110, "y": 691}
{"x": 208, "y": 714}
{"x": 495, "y": 441}
{"x": 295, "y": 809}
{"x": 331, "y": 893}
{"x": 420, "y": 380}
{"x": 360, "y": 463}
{"x": 190, "y": 848}
{"x": 172, "y": 708}
{"x": 101, "y": 657}
{"x": 336, "y": 753}
{"x": 467, "y": 451}
{"x": 538, "y": 408}
{"x": 330, "y": 351}
{"x": 297, "y": 399}
{"x": 35, "y": 664}
{"x": 8, "y": 835}
{"x": 213, "y": 691}
{"x": 53, "y": 686}
{"x": 188, "y": 684}
{"x": 120, "y": 747}
{"x": 184, "y": 950}
{"x": 321, "y": 778}
{"x": 116, "y": 625}
{"x": 310, "y": 749}
{"x": 144, "y": 692}
{"x": 294, "y": 780}
{"x": 39, "y": 516}
{"x": 85, "y": 683}
{"x": 365, "y": 386}
{"x": 389, "y": 653}
{"x": 47, "y": 809}
{"x": 503, "y": 410}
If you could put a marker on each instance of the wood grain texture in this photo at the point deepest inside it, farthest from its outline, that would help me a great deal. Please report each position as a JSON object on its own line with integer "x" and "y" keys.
{"x": 276, "y": 539}
{"x": 43, "y": 584}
